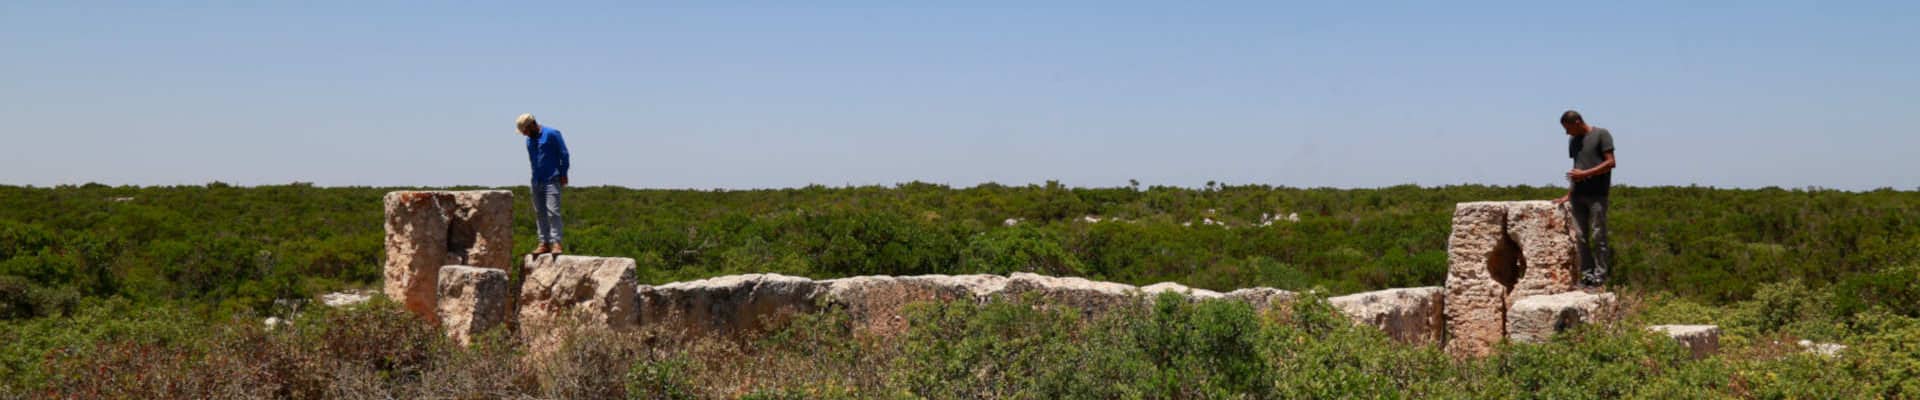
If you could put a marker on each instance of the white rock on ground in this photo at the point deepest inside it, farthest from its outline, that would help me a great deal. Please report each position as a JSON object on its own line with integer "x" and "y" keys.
{"x": 346, "y": 298}
{"x": 596, "y": 289}
{"x": 727, "y": 304}
{"x": 1823, "y": 349}
{"x": 472, "y": 300}
{"x": 1702, "y": 340}
{"x": 1534, "y": 319}
{"x": 1411, "y": 315}
{"x": 1499, "y": 252}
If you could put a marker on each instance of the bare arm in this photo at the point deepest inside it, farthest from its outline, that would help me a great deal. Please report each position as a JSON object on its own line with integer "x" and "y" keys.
{"x": 1582, "y": 174}
{"x": 1604, "y": 167}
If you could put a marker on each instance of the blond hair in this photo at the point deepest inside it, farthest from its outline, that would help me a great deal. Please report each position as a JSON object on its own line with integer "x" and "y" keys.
{"x": 525, "y": 120}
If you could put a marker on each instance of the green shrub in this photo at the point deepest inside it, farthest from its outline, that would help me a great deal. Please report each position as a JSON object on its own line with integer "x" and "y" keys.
{"x": 666, "y": 378}
{"x": 21, "y": 299}
{"x": 1896, "y": 288}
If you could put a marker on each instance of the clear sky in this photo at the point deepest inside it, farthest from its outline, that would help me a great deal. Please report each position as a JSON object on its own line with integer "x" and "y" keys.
{"x": 784, "y": 94}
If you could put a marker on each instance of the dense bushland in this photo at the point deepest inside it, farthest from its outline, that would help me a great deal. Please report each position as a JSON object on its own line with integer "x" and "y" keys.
{"x": 231, "y": 249}
{"x": 158, "y": 292}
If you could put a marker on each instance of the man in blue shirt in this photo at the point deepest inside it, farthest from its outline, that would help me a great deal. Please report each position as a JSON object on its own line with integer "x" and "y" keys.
{"x": 548, "y": 154}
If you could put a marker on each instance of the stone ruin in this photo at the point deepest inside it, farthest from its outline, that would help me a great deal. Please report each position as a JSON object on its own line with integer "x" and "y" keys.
{"x": 1511, "y": 269}
{"x": 427, "y": 230}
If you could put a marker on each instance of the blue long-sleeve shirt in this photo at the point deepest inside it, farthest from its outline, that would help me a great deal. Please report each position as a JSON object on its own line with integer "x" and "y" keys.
{"x": 548, "y": 154}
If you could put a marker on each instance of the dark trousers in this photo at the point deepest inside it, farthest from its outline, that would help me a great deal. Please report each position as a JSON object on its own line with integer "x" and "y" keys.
{"x": 1590, "y": 216}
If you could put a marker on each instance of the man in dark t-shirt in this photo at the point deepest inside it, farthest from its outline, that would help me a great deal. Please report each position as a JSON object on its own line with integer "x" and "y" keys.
{"x": 1592, "y": 177}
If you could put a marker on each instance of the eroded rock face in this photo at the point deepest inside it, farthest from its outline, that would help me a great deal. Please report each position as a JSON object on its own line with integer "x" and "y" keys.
{"x": 416, "y": 247}
{"x": 1411, "y": 315}
{"x": 1548, "y": 260}
{"x": 1534, "y": 319}
{"x": 727, "y": 304}
{"x": 472, "y": 300}
{"x": 481, "y": 229}
{"x": 1091, "y": 297}
{"x": 1702, "y": 340}
{"x": 1262, "y": 298}
{"x": 428, "y": 229}
{"x": 1499, "y": 252}
{"x": 875, "y": 302}
{"x": 598, "y": 290}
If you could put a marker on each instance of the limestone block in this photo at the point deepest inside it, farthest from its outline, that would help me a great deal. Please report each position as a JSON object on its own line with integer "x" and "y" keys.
{"x": 472, "y": 300}
{"x": 1703, "y": 340}
{"x": 416, "y": 247}
{"x": 726, "y": 305}
{"x": 1534, "y": 319}
{"x": 594, "y": 289}
{"x": 1411, "y": 315}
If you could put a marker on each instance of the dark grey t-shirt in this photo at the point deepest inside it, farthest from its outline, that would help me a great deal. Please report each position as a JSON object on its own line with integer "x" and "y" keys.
{"x": 1587, "y": 151}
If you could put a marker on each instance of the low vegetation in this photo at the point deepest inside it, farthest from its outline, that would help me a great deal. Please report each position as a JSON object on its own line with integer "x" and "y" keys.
{"x": 159, "y": 292}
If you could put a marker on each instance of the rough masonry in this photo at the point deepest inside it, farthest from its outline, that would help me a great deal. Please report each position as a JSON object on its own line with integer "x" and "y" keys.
{"x": 430, "y": 229}
{"x": 1498, "y": 253}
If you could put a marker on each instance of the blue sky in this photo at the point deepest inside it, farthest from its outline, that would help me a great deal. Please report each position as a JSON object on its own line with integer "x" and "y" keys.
{"x": 784, "y": 94}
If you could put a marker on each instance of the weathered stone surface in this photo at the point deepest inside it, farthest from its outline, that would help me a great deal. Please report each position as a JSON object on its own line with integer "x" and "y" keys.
{"x": 1702, "y": 340}
{"x": 428, "y": 229}
{"x": 1090, "y": 297}
{"x": 874, "y": 302}
{"x": 1153, "y": 291}
{"x": 1499, "y": 252}
{"x": 481, "y": 229}
{"x": 416, "y": 247}
{"x": 472, "y": 300}
{"x": 1534, "y": 319}
{"x": 1262, "y": 298}
{"x": 1548, "y": 260}
{"x": 1411, "y": 315}
{"x": 727, "y": 304}
{"x": 595, "y": 289}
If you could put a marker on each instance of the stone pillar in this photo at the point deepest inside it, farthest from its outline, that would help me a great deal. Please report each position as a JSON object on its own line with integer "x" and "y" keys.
{"x": 429, "y": 229}
{"x": 472, "y": 300}
{"x": 416, "y": 247}
{"x": 1499, "y": 252}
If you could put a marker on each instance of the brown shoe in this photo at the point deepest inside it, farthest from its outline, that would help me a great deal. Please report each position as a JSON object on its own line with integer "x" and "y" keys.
{"x": 543, "y": 249}
{"x": 556, "y": 249}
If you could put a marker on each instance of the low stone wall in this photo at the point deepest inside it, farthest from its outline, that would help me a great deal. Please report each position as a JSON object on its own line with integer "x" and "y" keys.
{"x": 1411, "y": 315}
{"x": 1498, "y": 254}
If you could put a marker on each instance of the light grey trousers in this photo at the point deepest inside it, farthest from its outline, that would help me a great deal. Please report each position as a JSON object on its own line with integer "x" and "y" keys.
{"x": 546, "y": 211}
